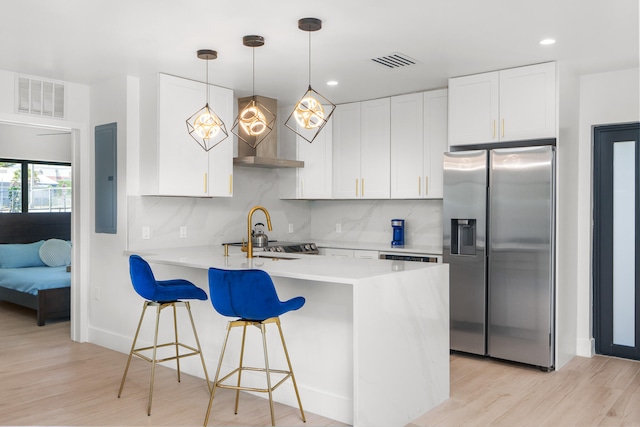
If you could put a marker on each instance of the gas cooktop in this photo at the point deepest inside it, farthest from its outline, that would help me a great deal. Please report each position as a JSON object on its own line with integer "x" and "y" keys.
{"x": 292, "y": 248}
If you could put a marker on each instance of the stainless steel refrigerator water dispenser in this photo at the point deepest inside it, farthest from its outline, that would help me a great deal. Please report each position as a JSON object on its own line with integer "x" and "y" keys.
{"x": 463, "y": 236}
{"x": 398, "y": 232}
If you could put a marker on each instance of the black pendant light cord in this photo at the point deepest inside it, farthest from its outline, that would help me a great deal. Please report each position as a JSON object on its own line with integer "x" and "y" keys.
{"x": 309, "y": 59}
{"x": 207, "y": 80}
{"x": 253, "y": 74}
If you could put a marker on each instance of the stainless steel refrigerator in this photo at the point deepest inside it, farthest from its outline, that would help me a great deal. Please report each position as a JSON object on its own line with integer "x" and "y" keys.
{"x": 499, "y": 228}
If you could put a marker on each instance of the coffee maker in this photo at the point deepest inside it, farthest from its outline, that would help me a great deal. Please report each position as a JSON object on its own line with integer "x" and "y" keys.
{"x": 398, "y": 233}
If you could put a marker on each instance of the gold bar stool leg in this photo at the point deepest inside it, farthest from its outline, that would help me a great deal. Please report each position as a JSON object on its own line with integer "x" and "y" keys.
{"x": 215, "y": 381}
{"x": 266, "y": 366}
{"x": 153, "y": 361}
{"x": 133, "y": 346}
{"x": 195, "y": 334}
{"x": 244, "y": 334}
{"x": 175, "y": 332}
{"x": 256, "y": 305}
{"x": 163, "y": 294}
{"x": 293, "y": 378}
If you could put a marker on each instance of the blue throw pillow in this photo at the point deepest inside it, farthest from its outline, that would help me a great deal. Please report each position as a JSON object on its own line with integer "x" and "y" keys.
{"x": 19, "y": 255}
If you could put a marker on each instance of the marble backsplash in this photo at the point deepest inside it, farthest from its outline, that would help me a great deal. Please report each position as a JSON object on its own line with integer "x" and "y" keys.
{"x": 210, "y": 222}
{"x": 370, "y": 220}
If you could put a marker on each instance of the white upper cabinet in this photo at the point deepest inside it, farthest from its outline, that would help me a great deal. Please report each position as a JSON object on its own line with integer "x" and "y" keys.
{"x": 508, "y": 105}
{"x": 435, "y": 141}
{"x": 528, "y": 102}
{"x": 346, "y": 151}
{"x": 473, "y": 109}
{"x": 314, "y": 180}
{"x": 407, "y": 146}
{"x": 171, "y": 162}
{"x": 375, "y": 146}
{"x": 361, "y": 144}
{"x": 418, "y": 141}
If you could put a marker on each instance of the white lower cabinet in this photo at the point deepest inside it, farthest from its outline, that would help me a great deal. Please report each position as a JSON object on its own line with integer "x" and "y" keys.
{"x": 365, "y": 254}
{"x": 171, "y": 162}
{"x": 336, "y": 252}
{"x": 349, "y": 253}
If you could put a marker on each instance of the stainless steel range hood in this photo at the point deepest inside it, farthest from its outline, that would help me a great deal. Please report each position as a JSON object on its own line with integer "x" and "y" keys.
{"x": 265, "y": 155}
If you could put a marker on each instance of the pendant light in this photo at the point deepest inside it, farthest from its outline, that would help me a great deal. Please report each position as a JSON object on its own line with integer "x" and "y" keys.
{"x": 205, "y": 126}
{"x": 313, "y": 110}
{"x": 254, "y": 121}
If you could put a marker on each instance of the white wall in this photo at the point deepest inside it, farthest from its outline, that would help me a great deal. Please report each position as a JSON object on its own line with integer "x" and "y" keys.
{"x": 76, "y": 101}
{"x": 28, "y": 143}
{"x": 77, "y": 121}
{"x": 109, "y": 290}
{"x": 605, "y": 98}
{"x": 566, "y": 205}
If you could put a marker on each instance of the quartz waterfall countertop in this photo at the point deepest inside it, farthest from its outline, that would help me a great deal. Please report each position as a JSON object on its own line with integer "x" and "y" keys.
{"x": 294, "y": 266}
{"x": 371, "y": 343}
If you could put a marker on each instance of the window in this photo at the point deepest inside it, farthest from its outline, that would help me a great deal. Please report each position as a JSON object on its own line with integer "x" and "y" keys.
{"x": 31, "y": 186}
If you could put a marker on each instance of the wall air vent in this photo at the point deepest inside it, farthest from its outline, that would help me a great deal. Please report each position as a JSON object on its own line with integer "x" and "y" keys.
{"x": 40, "y": 97}
{"x": 395, "y": 60}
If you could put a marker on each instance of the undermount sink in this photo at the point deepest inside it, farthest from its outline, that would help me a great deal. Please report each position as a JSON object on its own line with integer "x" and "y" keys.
{"x": 275, "y": 258}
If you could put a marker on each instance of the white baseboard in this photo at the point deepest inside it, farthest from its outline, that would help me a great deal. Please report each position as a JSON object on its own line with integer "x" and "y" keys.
{"x": 585, "y": 347}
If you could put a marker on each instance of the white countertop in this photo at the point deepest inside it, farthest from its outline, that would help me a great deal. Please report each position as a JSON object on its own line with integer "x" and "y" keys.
{"x": 295, "y": 266}
{"x": 421, "y": 249}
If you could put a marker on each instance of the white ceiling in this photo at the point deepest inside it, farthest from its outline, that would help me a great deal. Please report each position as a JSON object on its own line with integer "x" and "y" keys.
{"x": 86, "y": 41}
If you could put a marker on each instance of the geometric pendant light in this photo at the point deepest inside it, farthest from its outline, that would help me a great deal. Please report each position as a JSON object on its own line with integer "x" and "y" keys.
{"x": 254, "y": 121}
{"x": 313, "y": 110}
{"x": 205, "y": 126}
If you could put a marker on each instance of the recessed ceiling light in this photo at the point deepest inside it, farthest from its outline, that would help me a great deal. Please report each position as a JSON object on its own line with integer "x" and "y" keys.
{"x": 332, "y": 83}
{"x": 546, "y": 42}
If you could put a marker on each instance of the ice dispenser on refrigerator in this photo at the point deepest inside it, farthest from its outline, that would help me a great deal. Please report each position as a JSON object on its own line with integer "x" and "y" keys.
{"x": 463, "y": 238}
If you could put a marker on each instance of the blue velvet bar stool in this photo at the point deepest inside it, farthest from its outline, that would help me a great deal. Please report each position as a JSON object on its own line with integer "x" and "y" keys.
{"x": 162, "y": 294}
{"x": 250, "y": 297}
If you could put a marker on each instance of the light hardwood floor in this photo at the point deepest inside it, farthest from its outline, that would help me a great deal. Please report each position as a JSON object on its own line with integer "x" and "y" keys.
{"x": 46, "y": 379}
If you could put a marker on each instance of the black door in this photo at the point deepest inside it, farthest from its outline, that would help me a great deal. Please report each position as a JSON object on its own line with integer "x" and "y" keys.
{"x": 616, "y": 246}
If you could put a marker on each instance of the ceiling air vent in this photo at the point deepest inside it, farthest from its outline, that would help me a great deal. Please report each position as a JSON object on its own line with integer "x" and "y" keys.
{"x": 395, "y": 60}
{"x": 40, "y": 97}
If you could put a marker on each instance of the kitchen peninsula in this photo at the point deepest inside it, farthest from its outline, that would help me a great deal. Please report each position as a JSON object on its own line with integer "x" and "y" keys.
{"x": 369, "y": 348}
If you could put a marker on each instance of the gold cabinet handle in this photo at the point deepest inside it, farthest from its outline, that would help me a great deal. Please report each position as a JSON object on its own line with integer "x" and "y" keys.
{"x": 493, "y": 130}
{"x": 356, "y": 187}
{"x": 502, "y": 130}
{"x": 205, "y": 183}
{"x": 419, "y": 186}
{"x": 426, "y": 185}
{"x": 362, "y": 192}
{"x": 230, "y": 183}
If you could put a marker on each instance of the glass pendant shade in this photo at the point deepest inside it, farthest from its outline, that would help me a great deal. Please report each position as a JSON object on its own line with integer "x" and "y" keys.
{"x": 205, "y": 126}
{"x": 254, "y": 122}
{"x": 313, "y": 110}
